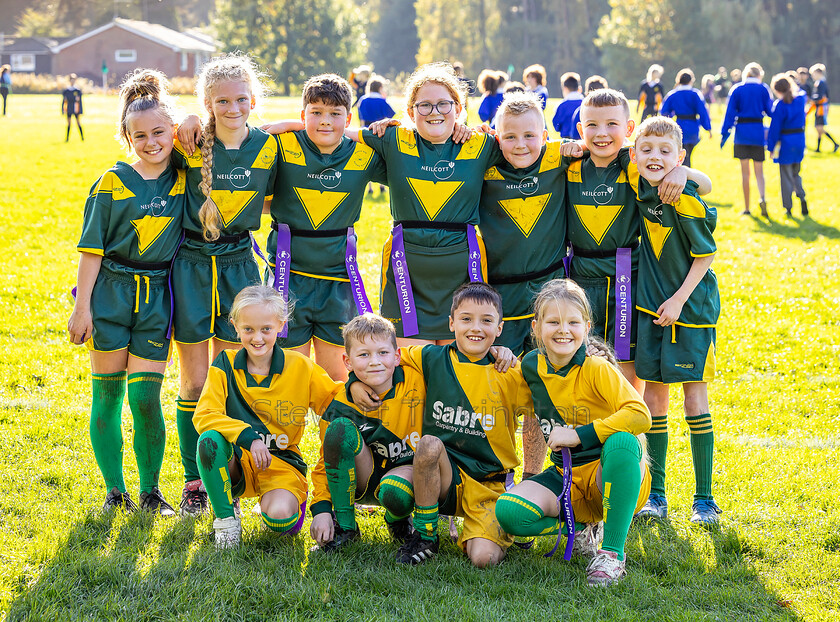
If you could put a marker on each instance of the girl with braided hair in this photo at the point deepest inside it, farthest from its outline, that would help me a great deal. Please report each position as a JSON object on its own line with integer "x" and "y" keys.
{"x": 227, "y": 183}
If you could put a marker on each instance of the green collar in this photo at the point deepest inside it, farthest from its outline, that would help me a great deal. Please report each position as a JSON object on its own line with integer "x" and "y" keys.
{"x": 577, "y": 359}
{"x": 463, "y": 358}
{"x": 278, "y": 361}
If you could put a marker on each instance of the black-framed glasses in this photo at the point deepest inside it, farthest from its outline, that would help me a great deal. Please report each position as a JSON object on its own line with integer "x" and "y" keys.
{"x": 443, "y": 107}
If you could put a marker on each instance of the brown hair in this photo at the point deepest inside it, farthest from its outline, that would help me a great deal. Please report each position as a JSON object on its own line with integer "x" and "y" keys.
{"x": 685, "y": 76}
{"x": 228, "y": 68}
{"x": 570, "y": 80}
{"x": 368, "y": 326}
{"x": 594, "y": 83}
{"x": 660, "y": 126}
{"x": 144, "y": 89}
{"x": 477, "y": 292}
{"x": 439, "y": 73}
{"x": 784, "y": 85}
{"x": 604, "y": 98}
{"x": 537, "y": 71}
{"x": 329, "y": 89}
{"x": 518, "y": 103}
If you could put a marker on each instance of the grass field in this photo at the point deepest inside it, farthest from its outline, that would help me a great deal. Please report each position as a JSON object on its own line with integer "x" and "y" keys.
{"x": 775, "y": 406}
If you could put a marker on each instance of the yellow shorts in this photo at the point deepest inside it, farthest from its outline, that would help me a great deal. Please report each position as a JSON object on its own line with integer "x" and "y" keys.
{"x": 475, "y": 502}
{"x": 279, "y": 475}
{"x": 587, "y": 499}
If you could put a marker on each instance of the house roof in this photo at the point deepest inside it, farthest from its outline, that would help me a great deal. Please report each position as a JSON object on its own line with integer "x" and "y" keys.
{"x": 27, "y": 45}
{"x": 176, "y": 41}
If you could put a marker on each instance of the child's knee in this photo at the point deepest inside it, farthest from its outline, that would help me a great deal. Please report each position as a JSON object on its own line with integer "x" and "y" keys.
{"x": 428, "y": 451}
{"x": 396, "y": 495}
{"x": 484, "y": 553}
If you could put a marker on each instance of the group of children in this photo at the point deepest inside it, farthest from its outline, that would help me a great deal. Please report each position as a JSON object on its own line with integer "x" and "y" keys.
{"x": 616, "y": 244}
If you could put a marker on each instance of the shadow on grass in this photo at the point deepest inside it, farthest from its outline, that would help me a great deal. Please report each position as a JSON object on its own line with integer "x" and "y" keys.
{"x": 806, "y": 229}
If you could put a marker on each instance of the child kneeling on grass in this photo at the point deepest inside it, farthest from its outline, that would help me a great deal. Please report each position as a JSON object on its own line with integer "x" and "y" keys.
{"x": 586, "y": 404}
{"x": 251, "y": 417}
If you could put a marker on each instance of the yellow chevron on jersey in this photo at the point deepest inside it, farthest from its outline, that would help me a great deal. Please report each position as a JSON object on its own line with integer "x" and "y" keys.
{"x": 493, "y": 174}
{"x": 633, "y": 177}
{"x": 291, "y": 150}
{"x": 180, "y": 185}
{"x": 231, "y": 203}
{"x": 573, "y": 172}
{"x": 690, "y": 207}
{"x": 110, "y": 182}
{"x": 360, "y": 160}
{"x": 433, "y": 196}
{"x": 267, "y": 156}
{"x": 657, "y": 234}
{"x": 148, "y": 230}
{"x": 473, "y": 147}
{"x": 551, "y": 158}
{"x": 407, "y": 142}
{"x": 319, "y": 205}
{"x": 526, "y": 211}
{"x": 193, "y": 161}
{"x": 597, "y": 219}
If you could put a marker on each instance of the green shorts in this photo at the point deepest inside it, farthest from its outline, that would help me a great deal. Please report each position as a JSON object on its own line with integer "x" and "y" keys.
{"x": 436, "y": 272}
{"x": 130, "y": 311}
{"x": 204, "y": 287}
{"x": 322, "y": 307}
{"x": 601, "y": 295}
{"x": 368, "y": 496}
{"x": 675, "y": 354}
{"x": 518, "y": 311}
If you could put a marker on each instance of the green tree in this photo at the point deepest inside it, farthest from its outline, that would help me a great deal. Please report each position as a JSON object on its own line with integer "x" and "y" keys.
{"x": 392, "y": 35}
{"x": 293, "y": 39}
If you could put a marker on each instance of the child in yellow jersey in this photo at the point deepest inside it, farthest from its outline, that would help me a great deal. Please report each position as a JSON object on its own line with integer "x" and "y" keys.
{"x": 586, "y": 404}
{"x": 251, "y": 416}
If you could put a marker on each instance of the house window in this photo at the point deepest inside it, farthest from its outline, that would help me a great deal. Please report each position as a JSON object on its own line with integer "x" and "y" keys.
{"x": 23, "y": 62}
{"x": 125, "y": 56}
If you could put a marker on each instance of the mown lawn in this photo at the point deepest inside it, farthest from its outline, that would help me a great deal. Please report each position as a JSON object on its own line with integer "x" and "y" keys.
{"x": 774, "y": 402}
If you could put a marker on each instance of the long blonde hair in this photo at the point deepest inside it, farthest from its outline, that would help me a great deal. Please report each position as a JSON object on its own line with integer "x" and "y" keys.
{"x": 228, "y": 68}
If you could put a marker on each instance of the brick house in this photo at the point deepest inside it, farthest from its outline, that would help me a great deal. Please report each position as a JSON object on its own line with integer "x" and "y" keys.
{"x": 125, "y": 44}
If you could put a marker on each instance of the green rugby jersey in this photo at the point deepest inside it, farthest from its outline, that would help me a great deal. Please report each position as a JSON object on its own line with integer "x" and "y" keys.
{"x": 672, "y": 236}
{"x": 471, "y": 407}
{"x": 523, "y": 215}
{"x": 315, "y": 191}
{"x": 602, "y": 214}
{"x": 391, "y": 431}
{"x": 242, "y": 179}
{"x": 431, "y": 182}
{"x": 588, "y": 394}
{"x": 134, "y": 218}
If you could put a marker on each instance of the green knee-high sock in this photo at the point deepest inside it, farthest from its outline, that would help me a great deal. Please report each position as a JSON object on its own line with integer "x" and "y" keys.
{"x": 657, "y": 442}
{"x": 520, "y": 517}
{"x": 280, "y": 525}
{"x": 396, "y": 495}
{"x": 342, "y": 443}
{"x": 214, "y": 453}
{"x": 149, "y": 428}
{"x": 106, "y": 427}
{"x": 622, "y": 478}
{"x": 702, "y": 450}
{"x": 187, "y": 437}
{"x": 426, "y": 521}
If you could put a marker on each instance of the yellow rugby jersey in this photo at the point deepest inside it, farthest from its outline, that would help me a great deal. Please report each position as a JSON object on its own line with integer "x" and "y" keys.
{"x": 391, "y": 431}
{"x": 471, "y": 407}
{"x": 590, "y": 395}
{"x": 273, "y": 409}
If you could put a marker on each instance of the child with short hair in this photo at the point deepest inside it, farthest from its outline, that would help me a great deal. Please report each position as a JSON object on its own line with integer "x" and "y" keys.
{"x": 318, "y": 195}
{"x": 679, "y": 305}
{"x": 819, "y": 104}
{"x": 251, "y": 416}
{"x": 651, "y": 92}
{"x": 534, "y": 77}
{"x": 366, "y": 456}
{"x": 686, "y": 104}
{"x": 71, "y": 105}
{"x": 583, "y": 403}
{"x": 374, "y": 106}
{"x": 565, "y": 112}
{"x": 228, "y": 181}
{"x": 786, "y": 138}
{"x": 123, "y": 307}
{"x": 593, "y": 83}
{"x": 468, "y": 449}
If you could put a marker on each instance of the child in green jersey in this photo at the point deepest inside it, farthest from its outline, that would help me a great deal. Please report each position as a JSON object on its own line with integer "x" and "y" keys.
{"x": 228, "y": 182}
{"x": 132, "y": 227}
{"x": 366, "y": 456}
{"x": 678, "y": 305}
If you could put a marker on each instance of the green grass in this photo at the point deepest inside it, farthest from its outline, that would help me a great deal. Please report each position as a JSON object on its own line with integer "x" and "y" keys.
{"x": 774, "y": 402}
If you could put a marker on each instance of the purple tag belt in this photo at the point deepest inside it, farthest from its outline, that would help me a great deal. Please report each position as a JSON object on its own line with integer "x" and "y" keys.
{"x": 564, "y": 508}
{"x": 399, "y": 266}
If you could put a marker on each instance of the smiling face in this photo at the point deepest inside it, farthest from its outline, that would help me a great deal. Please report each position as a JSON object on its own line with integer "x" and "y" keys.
{"x": 656, "y": 156}
{"x": 521, "y": 137}
{"x": 604, "y": 129}
{"x": 231, "y": 103}
{"x": 476, "y": 326}
{"x": 151, "y": 136}
{"x": 325, "y": 124}
{"x": 434, "y": 127}
{"x": 257, "y": 327}
{"x": 373, "y": 360}
{"x": 562, "y": 329}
